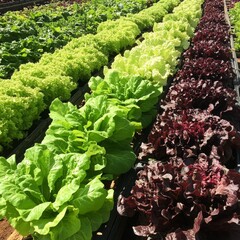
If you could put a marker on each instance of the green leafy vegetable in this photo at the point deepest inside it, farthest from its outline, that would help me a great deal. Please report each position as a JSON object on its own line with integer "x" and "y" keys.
{"x": 15, "y": 101}
{"x": 50, "y": 195}
{"x": 130, "y": 91}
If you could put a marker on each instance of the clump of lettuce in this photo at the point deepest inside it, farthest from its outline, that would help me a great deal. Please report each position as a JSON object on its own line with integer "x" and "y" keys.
{"x": 152, "y": 62}
{"x": 117, "y": 107}
{"x": 175, "y": 200}
{"x": 51, "y": 195}
{"x": 202, "y": 94}
{"x": 187, "y": 133}
{"x": 132, "y": 92}
{"x": 56, "y": 191}
{"x": 210, "y": 49}
{"x": 207, "y": 68}
{"x": 156, "y": 57}
{"x": 99, "y": 126}
{"x": 15, "y": 100}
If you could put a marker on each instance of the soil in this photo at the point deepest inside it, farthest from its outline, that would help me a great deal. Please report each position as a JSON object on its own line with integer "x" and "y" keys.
{"x": 7, "y": 232}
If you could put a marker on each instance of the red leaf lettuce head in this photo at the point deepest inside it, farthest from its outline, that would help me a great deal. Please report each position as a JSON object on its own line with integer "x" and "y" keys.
{"x": 207, "y": 49}
{"x": 181, "y": 199}
{"x": 202, "y": 94}
{"x": 207, "y": 68}
{"x": 187, "y": 133}
{"x": 219, "y": 34}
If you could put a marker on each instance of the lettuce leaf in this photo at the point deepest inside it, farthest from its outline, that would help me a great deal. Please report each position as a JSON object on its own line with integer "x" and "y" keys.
{"x": 120, "y": 158}
{"x": 90, "y": 129}
{"x": 174, "y": 196}
{"x": 50, "y": 195}
{"x": 127, "y": 89}
{"x": 90, "y": 197}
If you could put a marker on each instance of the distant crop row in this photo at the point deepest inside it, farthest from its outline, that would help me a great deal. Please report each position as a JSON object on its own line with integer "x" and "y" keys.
{"x": 235, "y": 21}
{"x": 26, "y": 35}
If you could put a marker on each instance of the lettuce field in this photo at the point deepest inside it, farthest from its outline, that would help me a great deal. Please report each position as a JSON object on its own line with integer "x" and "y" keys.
{"x": 120, "y": 120}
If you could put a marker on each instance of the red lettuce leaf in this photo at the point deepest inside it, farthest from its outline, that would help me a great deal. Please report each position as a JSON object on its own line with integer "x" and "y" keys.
{"x": 208, "y": 49}
{"x": 207, "y": 68}
{"x": 202, "y": 94}
{"x": 213, "y": 33}
{"x": 187, "y": 133}
{"x": 173, "y": 197}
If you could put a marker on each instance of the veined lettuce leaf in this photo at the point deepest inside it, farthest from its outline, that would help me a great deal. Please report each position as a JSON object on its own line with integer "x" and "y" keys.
{"x": 120, "y": 158}
{"x": 90, "y": 197}
{"x": 102, "y": 215}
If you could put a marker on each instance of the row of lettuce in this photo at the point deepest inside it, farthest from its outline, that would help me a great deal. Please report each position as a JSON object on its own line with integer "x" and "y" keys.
{"x": 235, "y": 21}
{"x": 27, "y": 34}
{"x": 36, "y": 85}
{"x": 188, "y": 188}
{"x": 57, "y": 190}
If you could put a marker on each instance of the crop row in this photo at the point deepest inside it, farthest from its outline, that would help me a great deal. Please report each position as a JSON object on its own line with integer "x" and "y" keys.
{"x": 235, "y": 21}
{"x": 26, "y": 35}
{"x": 189, "y": 189}
{"x": 57, "y": 190}
{"x": 36, "y": 85}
